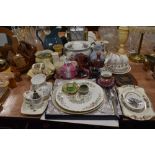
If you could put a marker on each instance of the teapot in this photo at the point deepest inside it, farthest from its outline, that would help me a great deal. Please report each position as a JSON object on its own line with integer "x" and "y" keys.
{"x": 68, "y": 70}
{"x": 97, "y": 57}
{"x": 51, "y": 37}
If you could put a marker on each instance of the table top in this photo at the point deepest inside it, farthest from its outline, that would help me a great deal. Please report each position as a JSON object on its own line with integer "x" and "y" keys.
{"x": 12, "y": 104}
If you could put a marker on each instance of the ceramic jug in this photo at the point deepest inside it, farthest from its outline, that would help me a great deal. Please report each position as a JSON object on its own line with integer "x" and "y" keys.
{"x": 51, "y": 38}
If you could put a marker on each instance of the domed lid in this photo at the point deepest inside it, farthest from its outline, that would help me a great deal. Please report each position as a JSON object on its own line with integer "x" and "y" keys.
{"x": 116, "y": 59}
{"x": 124, "y": 59}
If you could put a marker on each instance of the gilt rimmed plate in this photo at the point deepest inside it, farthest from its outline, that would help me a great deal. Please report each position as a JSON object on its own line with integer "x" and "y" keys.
{"x": 132, "y": 91}
{"x": 81, "y": 103}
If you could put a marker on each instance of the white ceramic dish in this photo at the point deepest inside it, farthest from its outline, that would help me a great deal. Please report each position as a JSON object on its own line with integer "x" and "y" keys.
{"x": 81, "y": 103}
{"x": 26, "y": 109}
{"x": 143, "y": 114}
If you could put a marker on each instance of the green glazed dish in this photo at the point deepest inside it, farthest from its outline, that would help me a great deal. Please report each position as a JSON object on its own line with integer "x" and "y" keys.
{"x": 70, "y": 88}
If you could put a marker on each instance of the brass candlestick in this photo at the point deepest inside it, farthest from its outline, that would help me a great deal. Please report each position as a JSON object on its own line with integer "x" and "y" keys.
{"x": 137, "y": 57}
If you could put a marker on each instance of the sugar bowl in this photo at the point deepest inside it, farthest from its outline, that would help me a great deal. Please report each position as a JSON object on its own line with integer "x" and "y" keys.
{"x": 106, "y": 79}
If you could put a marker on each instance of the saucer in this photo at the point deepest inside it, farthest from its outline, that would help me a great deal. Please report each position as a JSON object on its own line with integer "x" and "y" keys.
{"x": 26, "y": 109}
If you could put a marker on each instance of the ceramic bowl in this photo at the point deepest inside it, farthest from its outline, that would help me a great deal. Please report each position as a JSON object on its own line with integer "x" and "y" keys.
{"x": 83, "y": 89}
{"x": 106, "y": 79}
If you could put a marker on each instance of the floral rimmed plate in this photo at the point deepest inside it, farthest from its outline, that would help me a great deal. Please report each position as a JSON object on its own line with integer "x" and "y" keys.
{"x": 144, "y": 110}
{"x": 68, "y": 111}
{"x": 78, "y": 103}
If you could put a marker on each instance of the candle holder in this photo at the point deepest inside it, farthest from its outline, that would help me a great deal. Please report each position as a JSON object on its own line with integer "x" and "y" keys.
{"x": 137, "y": 56}
{"x": 123, "y": 32}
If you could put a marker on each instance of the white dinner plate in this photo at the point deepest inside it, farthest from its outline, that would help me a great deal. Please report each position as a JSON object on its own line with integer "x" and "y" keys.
{"x": 81, "y": 103}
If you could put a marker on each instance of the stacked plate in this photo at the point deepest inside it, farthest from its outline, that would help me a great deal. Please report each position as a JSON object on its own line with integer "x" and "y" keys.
{"x": 78, "y": 103}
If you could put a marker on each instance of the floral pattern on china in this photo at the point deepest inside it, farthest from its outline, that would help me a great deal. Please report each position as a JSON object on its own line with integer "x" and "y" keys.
{"x": 77, "y": 45}
{"x": 78, "y": 102}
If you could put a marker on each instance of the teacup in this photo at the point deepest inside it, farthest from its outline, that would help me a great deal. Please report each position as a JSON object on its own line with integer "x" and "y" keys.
{"x": 83, "y": 89}
{"x": 38, "y": 80}
{"x": 45, "y": 90}
{"x": 34, "y": 103}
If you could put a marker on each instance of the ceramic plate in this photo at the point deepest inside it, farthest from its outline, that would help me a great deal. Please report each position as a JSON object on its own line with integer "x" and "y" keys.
{"x": 142, "y": 109}
{"x": 81, "y": 103}
{"x": 134, "y": 100}
{"x": 77, "y": 45}
{"x": 26, "y": 109}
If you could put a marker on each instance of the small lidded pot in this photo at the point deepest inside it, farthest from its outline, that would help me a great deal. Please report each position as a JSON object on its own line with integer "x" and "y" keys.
{"x": 106, "y": 79}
